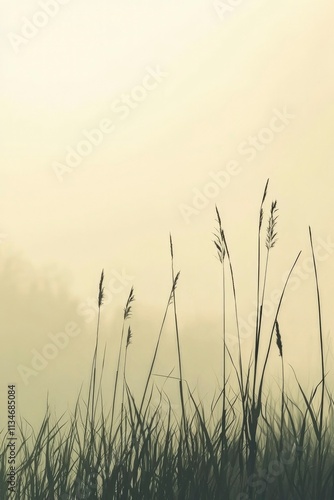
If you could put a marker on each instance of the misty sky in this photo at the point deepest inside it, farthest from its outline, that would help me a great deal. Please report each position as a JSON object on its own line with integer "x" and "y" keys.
{"x": 122, "y": 122}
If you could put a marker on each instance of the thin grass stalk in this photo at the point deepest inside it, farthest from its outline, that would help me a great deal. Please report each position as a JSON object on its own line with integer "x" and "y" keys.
{"x": 259, "y": 261}
{"x": 91, "y": 392}
{"x": 258, "y": 328}
{"x": 270, "y": 242}
{"x": 126, "y": 315}
{"x": 320, "y": 337}
{"x": 281, "y": 353}
{"x": 128, "y": 342}
{"x": 322, "y": 357}
{"x": 99, "y": 393}
{"x": 184, "y": 422}
{"x": 240, "y": 376}
{"x": 224, "y": 437}
{"x": 221, "y": 250}
{"x": 273, "y": 327}
{"x": 100, "y": 302}
{"x": 223, "y": 244}
{"x": 170, "y": 299}
{"x": 237, "y": 322}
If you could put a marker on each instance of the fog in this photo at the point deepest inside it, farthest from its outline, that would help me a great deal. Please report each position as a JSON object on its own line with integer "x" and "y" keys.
{"x": 122, "y": 123}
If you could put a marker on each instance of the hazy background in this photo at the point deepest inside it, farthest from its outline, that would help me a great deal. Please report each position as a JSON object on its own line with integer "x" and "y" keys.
{"x": 224, "y": 76}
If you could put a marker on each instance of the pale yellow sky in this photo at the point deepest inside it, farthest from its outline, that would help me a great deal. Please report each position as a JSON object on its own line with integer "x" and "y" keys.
{"x": 181, "y": 95}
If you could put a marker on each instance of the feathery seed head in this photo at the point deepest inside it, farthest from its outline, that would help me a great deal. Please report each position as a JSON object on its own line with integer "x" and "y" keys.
{"x": 171, "y": 246}
{"x": 278, "y": 339}
{"x": 261, "y": 218}
{"x": 265, "y": 192}
{"x": 271, "y": 234}
{"x": 129, "y": 337}
{"x": 127, "y": 309}
{"x": 174, "y": 288}
{"x": 262, "y": 202}
{"x": 101, "y": 290}
{"x": 219, "y": 240}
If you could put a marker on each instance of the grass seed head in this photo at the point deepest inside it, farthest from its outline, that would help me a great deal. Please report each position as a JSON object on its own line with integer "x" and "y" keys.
{"x": 171, "y": 246}
{"x": 219, "y": 240}
{"x": 271, "y": 234}
{"x": 101, "y": 290}
{"x": 278, "y": 339}
{"x": 262, "y": 202}
{"x": 129, "y": 337}
{"x": 127, "y": 309}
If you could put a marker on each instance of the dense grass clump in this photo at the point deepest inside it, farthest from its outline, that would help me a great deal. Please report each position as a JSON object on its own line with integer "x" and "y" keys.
{"x": 246, "y": 446}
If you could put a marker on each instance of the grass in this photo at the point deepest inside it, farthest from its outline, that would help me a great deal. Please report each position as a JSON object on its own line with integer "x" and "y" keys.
{"x": 246, "y": 446}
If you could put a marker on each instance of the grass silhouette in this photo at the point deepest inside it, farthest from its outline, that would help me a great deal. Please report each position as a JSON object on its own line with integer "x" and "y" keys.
{"x": 251, "y": 448}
